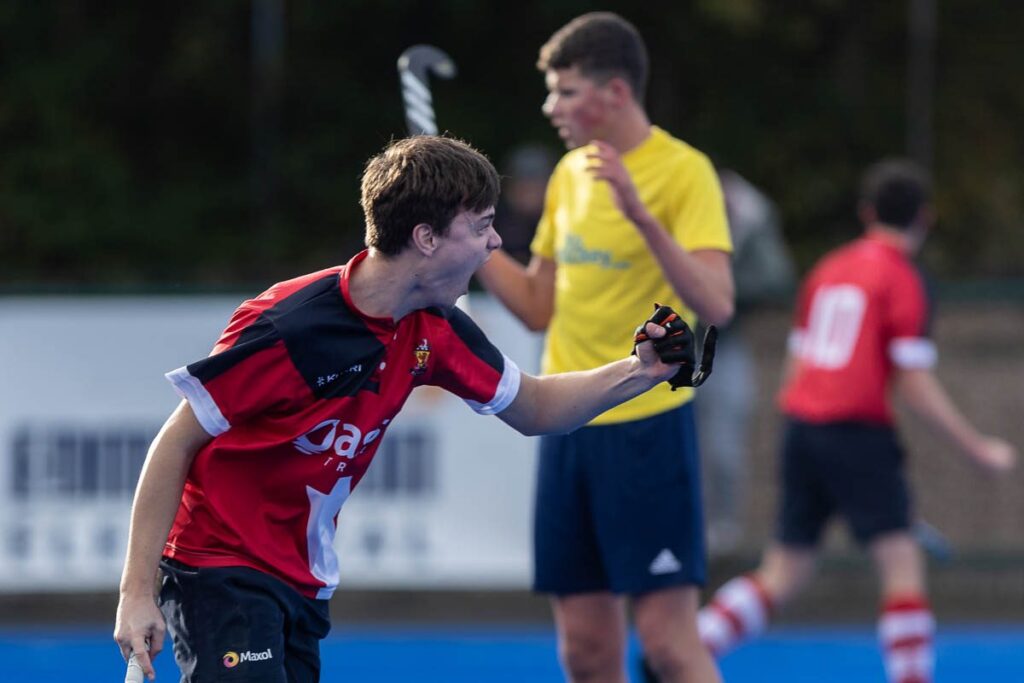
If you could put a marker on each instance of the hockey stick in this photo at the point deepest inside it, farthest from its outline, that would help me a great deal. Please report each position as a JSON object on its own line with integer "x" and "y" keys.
{"x": 414, "y": 67}
{"x": 134, "y": 672}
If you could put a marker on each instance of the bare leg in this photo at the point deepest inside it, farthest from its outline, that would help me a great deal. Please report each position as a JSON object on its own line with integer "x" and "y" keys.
{"x": 906, "y": 627}
{"x": 591, "y": 637}
{"x": 785, "y": 570}
{"x": 900, "y": 564}
{"x": 666, "y": 621}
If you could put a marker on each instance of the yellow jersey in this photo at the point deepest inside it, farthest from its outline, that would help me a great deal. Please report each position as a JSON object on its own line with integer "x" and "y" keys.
{"x": 606, "y": 280}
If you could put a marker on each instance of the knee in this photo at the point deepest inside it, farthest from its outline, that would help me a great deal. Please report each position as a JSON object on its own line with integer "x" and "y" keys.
{"x": 783, "y": 574}
{"x": 589, "y": 658}
{"x": 670, "y": 661}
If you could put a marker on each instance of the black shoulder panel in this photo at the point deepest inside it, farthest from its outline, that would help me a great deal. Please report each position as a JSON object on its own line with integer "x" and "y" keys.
{"x": 472, "y": 336}
{"x": 256, "y": 337}
{"x": 329, "y": 344}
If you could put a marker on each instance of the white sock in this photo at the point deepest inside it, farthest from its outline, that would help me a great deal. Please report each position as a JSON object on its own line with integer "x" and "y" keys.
{"x": 738, "y": 611}
{"x": 906, "y": 629}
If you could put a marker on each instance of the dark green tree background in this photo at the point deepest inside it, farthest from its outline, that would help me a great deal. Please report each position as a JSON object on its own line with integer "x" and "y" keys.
{"x": 138, "y": 148}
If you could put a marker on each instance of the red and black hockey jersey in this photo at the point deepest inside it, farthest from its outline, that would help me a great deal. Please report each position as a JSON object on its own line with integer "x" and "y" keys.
{"x": 298, "y": 394}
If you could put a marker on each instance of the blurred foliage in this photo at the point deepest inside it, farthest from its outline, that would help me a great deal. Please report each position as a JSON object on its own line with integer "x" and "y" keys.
{"x": 135, "y": 152}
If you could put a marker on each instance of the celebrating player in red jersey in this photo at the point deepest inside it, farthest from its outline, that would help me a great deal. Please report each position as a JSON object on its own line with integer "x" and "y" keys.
{"x": 861, "y": 329}
{"x": 238, "y": 500}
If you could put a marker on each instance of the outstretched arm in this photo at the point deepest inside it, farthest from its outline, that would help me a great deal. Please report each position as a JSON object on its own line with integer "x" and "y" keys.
{"x": 528, "y": 292}
{"x": 139, "y": 622}
{"x": 924, "y": 395}
{"x": 560, "y": 403}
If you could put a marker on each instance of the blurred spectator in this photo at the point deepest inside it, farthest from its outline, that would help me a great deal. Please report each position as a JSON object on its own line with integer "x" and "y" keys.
{"x": 524, "y": 180}
{"x": 763, "y": 272}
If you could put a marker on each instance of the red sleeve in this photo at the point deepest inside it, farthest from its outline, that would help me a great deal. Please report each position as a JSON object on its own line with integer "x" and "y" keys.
{"x": 907, "y": 321}
{"x": 909, "y": 309}
{"x": 248, "y": 373}
{"x": 472, "y": 368}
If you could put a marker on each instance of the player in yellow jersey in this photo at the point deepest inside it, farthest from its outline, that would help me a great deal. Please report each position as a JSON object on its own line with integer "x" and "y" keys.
{"x": 632, "y": 216}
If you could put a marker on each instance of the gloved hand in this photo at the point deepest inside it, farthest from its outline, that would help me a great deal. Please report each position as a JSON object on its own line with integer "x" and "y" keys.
{"x": 677, "y": 347}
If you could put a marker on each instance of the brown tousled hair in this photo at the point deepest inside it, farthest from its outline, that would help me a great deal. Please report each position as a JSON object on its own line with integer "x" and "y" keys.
{"x": 423, "y": 179}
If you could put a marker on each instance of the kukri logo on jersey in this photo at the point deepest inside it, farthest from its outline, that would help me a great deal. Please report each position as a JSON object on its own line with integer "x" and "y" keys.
{"x": 345, "y": 440}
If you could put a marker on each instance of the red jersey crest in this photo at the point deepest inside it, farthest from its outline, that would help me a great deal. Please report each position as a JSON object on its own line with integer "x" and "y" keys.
{"x": 422, "y": 356}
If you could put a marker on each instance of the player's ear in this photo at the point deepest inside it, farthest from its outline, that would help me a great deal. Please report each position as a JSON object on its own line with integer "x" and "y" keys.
{"x": 619, "y": 92}
{"x": 424, "y": 238}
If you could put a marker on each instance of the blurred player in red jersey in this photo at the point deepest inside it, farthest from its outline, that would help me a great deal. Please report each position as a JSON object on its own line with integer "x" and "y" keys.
{"x": 861, "y": 331}
{"x": 237, "y": 504}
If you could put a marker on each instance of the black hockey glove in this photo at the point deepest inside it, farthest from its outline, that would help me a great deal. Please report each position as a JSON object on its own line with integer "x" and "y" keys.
{"x": 678, "y": 347}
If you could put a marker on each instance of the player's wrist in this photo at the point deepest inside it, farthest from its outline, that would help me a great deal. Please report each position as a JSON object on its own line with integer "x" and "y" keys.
{"x": 974, "y": 445}
{"x": 140, "y": 587}
{"x": 645, "y": 375}
{"x": 642, "y": 218}
{"x": 137, "y": 592}
{"x": 636, "y": 373}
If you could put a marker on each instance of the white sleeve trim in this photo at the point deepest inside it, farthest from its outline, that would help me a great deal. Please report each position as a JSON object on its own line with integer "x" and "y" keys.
{"x": 508, "y": 389}
{"x": 913, "y": 353}
{"x": 203, "y": 405}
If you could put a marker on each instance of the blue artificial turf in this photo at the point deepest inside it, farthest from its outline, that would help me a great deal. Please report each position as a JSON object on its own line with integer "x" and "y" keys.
{"x": 500, "y": 655}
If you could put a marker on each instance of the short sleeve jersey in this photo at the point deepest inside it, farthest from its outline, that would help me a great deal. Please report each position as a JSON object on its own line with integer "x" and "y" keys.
{"x": 862, "y": 311}
{"x": 606, "y": 278}
{"x": 298, "y": 394}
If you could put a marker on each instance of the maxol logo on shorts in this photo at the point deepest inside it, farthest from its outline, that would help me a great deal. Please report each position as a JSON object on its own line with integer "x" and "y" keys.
{"x": 233, "y": 659}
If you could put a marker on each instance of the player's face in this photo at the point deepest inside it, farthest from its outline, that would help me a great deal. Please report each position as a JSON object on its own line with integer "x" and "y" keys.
{"x": 577, "y": 106}
{"x": 468, "y": 244}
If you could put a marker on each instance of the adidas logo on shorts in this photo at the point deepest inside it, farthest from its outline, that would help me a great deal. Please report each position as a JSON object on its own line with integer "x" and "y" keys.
{"x": 665, "y": 563}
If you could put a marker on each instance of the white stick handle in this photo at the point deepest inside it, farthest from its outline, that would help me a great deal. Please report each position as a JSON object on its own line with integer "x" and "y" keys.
{"x": 134, "y": 673}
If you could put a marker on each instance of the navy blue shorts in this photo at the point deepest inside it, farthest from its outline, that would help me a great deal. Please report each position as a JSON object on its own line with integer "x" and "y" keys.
{"x": 239, "y": 624}
{"x": 618, "y": 508}
{"x": 850, "y": 469}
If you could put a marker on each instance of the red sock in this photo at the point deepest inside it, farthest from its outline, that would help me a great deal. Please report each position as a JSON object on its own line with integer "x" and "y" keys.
{"x": 906, "y": 629}
{"x": 738, "y": 611}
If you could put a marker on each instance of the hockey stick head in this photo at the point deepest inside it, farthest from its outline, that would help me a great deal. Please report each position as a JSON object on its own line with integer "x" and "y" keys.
{"x": 415, "y": 66}
{"x": 424, "y": 59}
